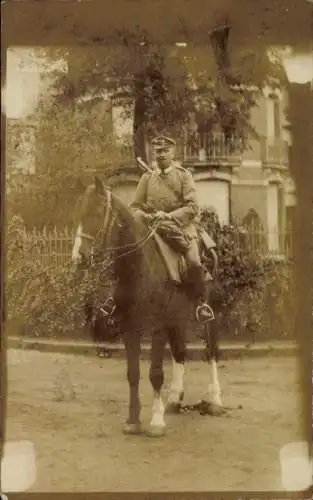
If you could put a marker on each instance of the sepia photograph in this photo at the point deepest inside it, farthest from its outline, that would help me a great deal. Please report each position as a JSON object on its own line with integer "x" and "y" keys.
{"x": 151, "y": 232}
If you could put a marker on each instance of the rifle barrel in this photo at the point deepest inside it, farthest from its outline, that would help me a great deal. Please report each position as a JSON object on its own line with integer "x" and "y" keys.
{"x": 143, "y": 165}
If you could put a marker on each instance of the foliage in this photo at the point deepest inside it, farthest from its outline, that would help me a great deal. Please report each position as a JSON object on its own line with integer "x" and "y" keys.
{"x": 71, "y": 145}
{"x": 255, "y": 296}
{"x": 47, "y": 300}
{"x": 161, "y": 84}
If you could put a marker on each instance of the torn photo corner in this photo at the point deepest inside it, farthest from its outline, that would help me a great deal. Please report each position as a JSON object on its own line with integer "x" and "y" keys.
{"x": 18, "y": 466}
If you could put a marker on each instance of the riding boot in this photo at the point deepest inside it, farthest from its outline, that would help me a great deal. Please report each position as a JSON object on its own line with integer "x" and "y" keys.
{"x": 197, "y": 285}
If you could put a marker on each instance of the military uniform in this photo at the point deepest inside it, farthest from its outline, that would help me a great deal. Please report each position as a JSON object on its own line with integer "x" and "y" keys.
{"x": 172, "y": 191}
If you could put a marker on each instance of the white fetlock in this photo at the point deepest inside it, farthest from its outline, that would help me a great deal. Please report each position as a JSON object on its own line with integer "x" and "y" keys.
{"x": 157, "y": 414}
{"x": 214, "y": 393}
{"x": 175, "y": 396}
{"x": 157, "y": 425}
{"x": 213, "y": 396}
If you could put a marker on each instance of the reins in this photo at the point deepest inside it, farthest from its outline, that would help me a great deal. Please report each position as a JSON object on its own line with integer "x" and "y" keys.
{"x": 107, "y": 229}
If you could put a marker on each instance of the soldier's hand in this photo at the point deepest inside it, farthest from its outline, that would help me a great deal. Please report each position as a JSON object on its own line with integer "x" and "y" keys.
{"x": 144, "y": 216}
{"x": 148, "y": 218}
{"x": 160, "y": 215}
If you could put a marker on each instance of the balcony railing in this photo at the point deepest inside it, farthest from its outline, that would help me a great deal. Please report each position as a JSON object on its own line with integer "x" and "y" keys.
{"x": 213, "y": 150}
{"x": 207, "y": 149}
{"x": 274, "y": 151}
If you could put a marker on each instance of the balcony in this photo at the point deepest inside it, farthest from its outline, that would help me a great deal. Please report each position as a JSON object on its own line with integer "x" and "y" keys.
{"x": 212, "y": 150}
{"x": 274, "y": 152}
{"x": 205, "y": 150}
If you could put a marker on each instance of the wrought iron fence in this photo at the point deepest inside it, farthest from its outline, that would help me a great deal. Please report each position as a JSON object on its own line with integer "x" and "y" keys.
{"x": 49, "y": 247}
{"x": 54, "y": 247}
{"x": 275, "y": 244}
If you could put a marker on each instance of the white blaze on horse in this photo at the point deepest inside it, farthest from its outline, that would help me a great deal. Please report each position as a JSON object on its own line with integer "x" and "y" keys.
{"x": 148, "y": 302}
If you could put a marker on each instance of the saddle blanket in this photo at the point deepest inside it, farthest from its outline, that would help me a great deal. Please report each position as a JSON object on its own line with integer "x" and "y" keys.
{"x": 175, "y": 262}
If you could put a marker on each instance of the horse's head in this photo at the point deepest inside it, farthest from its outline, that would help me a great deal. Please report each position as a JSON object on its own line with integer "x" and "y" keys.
{"x": 95, "y": 220}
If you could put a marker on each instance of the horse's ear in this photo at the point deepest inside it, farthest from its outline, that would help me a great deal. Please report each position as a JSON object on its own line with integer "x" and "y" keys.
{"x": 99, "y": 186}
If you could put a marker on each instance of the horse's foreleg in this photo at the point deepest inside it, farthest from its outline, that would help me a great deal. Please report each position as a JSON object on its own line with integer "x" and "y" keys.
{"x": 132, "y": 346}
{"x": 176, "y": 388}
{"x": 157, "y": 424}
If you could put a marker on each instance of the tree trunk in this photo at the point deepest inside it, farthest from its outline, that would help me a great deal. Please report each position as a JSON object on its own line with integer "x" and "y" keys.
{"x": 219, "y": 42}
{"x": 139, "y": 136}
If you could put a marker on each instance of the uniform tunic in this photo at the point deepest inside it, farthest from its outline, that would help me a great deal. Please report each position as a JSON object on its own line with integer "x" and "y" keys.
{"x": 172, "y": 191}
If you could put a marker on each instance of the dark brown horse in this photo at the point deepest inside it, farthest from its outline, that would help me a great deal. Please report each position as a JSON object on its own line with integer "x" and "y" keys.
{"x": 148, "y": 302}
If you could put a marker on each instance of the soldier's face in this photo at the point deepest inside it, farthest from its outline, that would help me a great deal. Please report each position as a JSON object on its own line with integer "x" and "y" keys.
{"x": 164, "y": 156}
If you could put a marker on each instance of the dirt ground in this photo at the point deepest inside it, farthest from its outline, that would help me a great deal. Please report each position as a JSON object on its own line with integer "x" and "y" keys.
{"x": 80, "y": 447}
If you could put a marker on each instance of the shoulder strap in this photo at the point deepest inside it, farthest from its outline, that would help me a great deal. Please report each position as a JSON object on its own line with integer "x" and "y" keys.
{"x": 179, "y": 167}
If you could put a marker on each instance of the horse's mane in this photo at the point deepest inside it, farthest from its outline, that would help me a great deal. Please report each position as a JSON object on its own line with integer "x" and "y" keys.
{"x": 126, "y": 213}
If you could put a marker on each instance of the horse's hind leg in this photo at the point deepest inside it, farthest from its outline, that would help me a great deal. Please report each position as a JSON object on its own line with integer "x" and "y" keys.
{"x": 157, "y": 425}
{"x": 213, "y": 395}
{"x": 176, "y": 389}
{"x": 132, "y": 346}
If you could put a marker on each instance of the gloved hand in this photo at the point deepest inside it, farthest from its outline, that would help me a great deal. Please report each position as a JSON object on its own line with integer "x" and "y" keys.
{"x": 160, "y": 215}
{"x": 144, "y": 216}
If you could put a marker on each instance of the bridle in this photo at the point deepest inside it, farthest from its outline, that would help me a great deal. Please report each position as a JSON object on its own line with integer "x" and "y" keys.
{"x": 106, "y": 219}
{"x": 108, "y": 224}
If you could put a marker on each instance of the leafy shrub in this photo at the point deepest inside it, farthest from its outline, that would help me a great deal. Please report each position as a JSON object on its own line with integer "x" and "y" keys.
{"x": 47, "y": 300}
{"x": 256, "y": 293}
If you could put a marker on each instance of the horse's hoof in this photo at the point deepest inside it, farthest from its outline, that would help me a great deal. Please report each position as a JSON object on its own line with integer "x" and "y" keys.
{"x": 172, "y": 408}
{"x": 215, "y": 410}
{"x": 156, "y": 431}
{"x": 132, "y": 429}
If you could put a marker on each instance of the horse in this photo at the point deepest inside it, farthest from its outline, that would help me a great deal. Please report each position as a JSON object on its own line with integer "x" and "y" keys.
{"x": 148, "y": 303}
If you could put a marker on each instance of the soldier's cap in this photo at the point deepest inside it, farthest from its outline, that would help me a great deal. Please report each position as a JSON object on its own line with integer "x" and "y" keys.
{"x": 163, "y": 142}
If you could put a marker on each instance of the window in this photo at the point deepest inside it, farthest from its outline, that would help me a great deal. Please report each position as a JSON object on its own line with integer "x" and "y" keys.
{"x": 275, "y": 206}
{"x": 215, "y": 193}
{"x": 273, "y": 117}
{"x": 277, "y": 124}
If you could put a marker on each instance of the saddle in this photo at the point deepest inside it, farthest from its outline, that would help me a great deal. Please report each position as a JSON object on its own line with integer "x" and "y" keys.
{"x": 175, "y": 262}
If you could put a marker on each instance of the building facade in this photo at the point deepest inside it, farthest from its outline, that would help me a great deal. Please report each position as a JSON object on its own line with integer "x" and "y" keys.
{"x": 236, "y": 185}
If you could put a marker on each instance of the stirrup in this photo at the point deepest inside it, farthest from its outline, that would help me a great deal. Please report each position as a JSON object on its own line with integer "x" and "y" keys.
{"x": 204, "y": 313}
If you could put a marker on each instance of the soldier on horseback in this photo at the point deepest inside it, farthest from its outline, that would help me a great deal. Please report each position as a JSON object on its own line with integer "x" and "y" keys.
{"x": 167, "y": 195}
